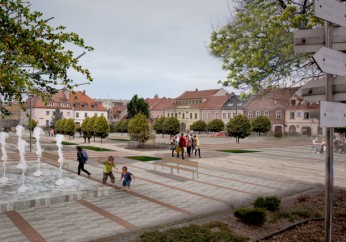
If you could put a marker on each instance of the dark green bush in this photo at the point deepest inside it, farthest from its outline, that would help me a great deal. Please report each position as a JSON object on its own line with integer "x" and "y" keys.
{"x": 269, "y": 203}
{"x": 251, "y": 216}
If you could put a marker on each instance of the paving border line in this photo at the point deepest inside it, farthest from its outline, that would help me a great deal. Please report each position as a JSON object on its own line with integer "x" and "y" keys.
{"x": 32, "y": 234}
{"x": 108, "y": 215}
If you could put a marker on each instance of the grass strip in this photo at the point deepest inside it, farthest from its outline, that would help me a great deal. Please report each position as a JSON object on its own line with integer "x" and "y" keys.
{"x": 143, "y": 158}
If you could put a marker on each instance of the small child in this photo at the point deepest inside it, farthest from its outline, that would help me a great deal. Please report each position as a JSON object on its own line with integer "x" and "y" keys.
{"x": 107, "y": 169}
{"x": 127, "y": 176}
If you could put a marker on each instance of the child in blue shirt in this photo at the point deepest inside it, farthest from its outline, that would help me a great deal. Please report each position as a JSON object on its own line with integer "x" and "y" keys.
{"x": 127, "y": 178}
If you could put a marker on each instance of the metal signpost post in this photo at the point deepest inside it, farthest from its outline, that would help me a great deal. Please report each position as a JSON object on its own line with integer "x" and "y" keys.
{"x": 327, "y": 43}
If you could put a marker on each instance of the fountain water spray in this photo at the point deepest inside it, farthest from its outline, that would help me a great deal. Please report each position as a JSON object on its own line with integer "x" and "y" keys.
{"x": 22, "y": 164}
{"x": 3, "y": 137}
{"x": 19, "y": 130}
{"x": 59, "y": 139}
{"x": 37, "y": 133}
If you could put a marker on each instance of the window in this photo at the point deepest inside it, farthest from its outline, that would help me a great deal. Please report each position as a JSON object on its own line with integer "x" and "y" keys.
{"x": 216, "y": 115}
{"x": 224, "y": 115}
{"x": 229, "y": 115}
{"x": 95, "y": 114}
{"x": 278, "y": 114}
{"x": 47, "y": 122}
{"x": 168, "y": 115}
{"x": 250, "y": 115}
{"x": 306, "y": 115}
{"x": 266, "y": 114}
{"x": 50, "y": 104}
{"x": 234, "y": 114}
{"x": 176, "y": 115}
{"x": 157, "y": 116}
{"x": 102, "y": 115}
{"x": 77, "y": 114}
{"x": 203, "y": 115}
{"x": 183, "y": 115}
{"x": 196, "y": 116}
{"x": 63, "y": 104}
{"x": 319, "y": 130}
{"x": 258, "y": 113}
{"x": 293, "y": 102}
{"x": 68, "y": 114}
{"x": 291, "y": 115}
{"x": 47, "y": 112}
{"x": 208, "y": 115}
{"x": 190, "y": 115}
{"x": 172, "y": 114}
{"x": 85, "y": 115}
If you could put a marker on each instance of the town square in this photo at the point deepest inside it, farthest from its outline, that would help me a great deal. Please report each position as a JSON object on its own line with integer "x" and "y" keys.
{"x": 172, "y": 121}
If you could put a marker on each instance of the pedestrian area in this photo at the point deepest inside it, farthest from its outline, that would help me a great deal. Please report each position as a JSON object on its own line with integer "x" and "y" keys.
{"x": 225, "y": 181}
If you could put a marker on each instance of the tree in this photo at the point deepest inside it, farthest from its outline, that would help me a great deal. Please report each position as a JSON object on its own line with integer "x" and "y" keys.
{"x": 60, "y": 126}
{"x": 139, "y": 129}
{"x": 199, "y": 126}
{"x": 57, "y": 114}
{"x": 239, "y": 127}
{"x": 87, "y": 130}
{"x": 158, "y": 125}
{"x": 91, "y": 126}
{"x": 171, "y": 126}
{"x": 101, "y": 128}
{"x": 136, "y": 106}
{"x": 256, "y": 47}
{"x": 28, "y": 40}
{"x": 216, "y": 125}
{"x": 261, "y": 124}
{"x": 32, "y": 125}
{"x": 124, "y": 126}
{"x": 69, "y": 127}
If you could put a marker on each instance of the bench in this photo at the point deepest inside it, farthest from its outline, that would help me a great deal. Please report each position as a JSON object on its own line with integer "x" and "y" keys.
{"x": 178, "y": 164}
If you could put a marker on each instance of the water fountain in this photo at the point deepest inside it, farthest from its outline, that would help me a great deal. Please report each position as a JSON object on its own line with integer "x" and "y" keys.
{"x": 3, "y": 137}
{"x": 21, "y": 147}
{"x": 37, "y": 133}
{"x": 19, "y": 130}
{"x": 59, "y": 139}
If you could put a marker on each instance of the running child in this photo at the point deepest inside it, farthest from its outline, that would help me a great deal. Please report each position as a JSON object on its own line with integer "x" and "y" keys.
{"x": 107, "y": 169}
{"x": 127, "y": 178}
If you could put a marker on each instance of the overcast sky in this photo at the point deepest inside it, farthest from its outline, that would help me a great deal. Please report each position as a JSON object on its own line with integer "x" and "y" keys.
{"x": 143, "y": 47}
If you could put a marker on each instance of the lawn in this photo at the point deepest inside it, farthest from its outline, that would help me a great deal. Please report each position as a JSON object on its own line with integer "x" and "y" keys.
{"x": 121, "y": 140}
{"x": 143, "y": 158}
{"x": 239, "y": 151}
{"x": 65, "y": 143}
{"x": 95, "y": 148}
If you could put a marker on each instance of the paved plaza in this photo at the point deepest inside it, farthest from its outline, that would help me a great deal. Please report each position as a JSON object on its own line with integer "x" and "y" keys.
{"x": 283, "y": 167}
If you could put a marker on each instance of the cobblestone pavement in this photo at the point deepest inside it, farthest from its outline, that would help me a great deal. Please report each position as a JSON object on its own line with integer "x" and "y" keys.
{"x": 225, "y": 181}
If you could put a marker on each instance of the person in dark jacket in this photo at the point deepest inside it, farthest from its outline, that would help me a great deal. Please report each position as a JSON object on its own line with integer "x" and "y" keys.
{"x": 81, "y": 160}
{"x": 182, "y": 143}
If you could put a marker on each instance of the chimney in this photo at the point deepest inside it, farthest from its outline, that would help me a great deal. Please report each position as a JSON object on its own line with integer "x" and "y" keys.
{"x": 84, "y": 92}
{"x": 196, "y": 89}
{"x": 67, "y": 93}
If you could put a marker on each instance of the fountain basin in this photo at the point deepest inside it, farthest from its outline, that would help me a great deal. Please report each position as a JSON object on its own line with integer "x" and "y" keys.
{"x": 42, "y": 190}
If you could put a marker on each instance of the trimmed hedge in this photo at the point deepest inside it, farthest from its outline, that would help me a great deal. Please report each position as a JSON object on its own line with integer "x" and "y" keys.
{"x": 269, "y": 203}
{"x": 251, "y": 216}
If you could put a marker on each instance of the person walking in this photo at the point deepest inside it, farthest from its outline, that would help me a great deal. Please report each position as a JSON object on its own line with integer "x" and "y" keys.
{"x": 182, "y": 142}
{"x": 197, "y": 147}
{"x": 172, "y": 144}
{"x": 81, "y": 160}
{"x": 188, "y": 144}
{"x": 177, "y": 146}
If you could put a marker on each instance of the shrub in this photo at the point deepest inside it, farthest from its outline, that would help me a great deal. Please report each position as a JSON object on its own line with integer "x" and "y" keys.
{"x": 251, "y": 216}
{"x": 269, "y": 203}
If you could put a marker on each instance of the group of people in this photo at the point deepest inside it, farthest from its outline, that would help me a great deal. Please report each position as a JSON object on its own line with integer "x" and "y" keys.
{"x": 340, "y": 145}
{"x": 188, "y": 144}
{"x": 108, "y": 167}
{"x": 318, "y": 146}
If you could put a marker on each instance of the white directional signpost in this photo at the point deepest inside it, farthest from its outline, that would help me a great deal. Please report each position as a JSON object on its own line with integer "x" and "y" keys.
{"x": 327, "y": 44}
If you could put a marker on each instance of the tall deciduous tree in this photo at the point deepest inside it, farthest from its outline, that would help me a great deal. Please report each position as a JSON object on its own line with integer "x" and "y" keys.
{"x": 27, "y": 39}
{"x": 91, "y": 125}
{"x": 256, "y": 47}
{"x": 171, "y": 126}
{"x": 101, "y": 128}
{"x": 158, "y": 125}
{"x": 57, "y": 114}
{"x": 139, "y": 129}
{"x": 216, "y": 125}
{"x": 69, "y": 127}
{"x": 261, "y": 124}
{"x": 137, "y": 106}
{"x": 239, "y": 127}
{"x": 87, "y": 129}
{"x": 199, "y": 126}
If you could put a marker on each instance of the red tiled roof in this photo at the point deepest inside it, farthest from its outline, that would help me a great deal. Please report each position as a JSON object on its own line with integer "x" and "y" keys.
{"x": 214, "y": 102}
{"x": 152, "y": 102}
{"x": 197, "y": 94}
{"x": 164, "y": 103}
{"x": 68, "y": 97}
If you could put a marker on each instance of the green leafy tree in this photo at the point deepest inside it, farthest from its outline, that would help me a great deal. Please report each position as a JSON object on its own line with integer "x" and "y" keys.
{"x": 101, "y": 128}
{"x": 87, "y": 129}
{"x": 112, "y": 128}
{"x": 216, "y": 125}
{"x": 261, "y": 124}
{"x": 199, "y": 126}
{"x": 124, "y": 126}
{"x": 118, "y": 126}
{"x": 136, "y": 106}
{"x": 92, "y": 126}
{"x": 60, "y": 126}
{"x": 27, "y": 39}
{"x": 239, "y": 127}
{"x": 139, "y": 129}
{"x": 158, "y": 125}
{"x": 171, "y": 126}
{"x": 32, "y": 125}
{"x": 256, "y": 46}
{"x": 57, "y": 114}
{"x": 69, "y": 127}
